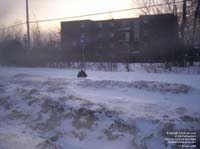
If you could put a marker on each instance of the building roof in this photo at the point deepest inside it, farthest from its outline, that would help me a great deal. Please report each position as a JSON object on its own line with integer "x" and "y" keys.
{"x": 124, "y": 19}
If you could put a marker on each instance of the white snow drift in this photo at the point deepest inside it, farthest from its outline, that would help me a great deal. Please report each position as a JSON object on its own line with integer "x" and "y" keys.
{"x": 51, "y": 108}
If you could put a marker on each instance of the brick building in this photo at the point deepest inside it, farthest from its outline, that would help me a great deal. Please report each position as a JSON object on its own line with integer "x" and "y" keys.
{"x": 147, "y": 38}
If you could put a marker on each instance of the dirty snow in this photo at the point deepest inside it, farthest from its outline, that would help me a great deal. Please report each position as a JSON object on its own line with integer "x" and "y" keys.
{"x": 44, "y": 108}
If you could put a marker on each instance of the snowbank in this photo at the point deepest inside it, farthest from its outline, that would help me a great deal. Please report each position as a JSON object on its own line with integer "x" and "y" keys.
{"x": 51, "y": 108}
{"x": 131, "y": 67}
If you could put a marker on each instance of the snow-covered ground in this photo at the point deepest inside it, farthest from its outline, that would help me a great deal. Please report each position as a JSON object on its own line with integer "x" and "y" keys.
{"x": 132, "y": 67}
{"x": 44, "y": 108}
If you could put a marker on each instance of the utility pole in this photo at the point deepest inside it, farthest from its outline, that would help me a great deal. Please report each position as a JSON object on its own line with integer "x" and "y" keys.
{"x": 27, "y": 25}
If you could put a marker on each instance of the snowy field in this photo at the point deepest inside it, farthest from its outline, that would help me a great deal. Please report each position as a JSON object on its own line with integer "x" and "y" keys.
{"x": 131, "y": 67}
{"x": 44, "y": 108}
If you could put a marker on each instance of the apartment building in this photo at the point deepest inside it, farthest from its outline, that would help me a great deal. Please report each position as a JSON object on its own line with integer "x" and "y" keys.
{"x": 147, "y": 38}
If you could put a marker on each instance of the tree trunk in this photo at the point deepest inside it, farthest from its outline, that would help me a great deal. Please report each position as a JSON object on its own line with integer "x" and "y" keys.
{"x": 196, "y": 16}
{"x": 184, "y": 9}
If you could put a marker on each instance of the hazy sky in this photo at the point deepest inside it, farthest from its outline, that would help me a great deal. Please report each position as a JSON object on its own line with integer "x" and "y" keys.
{"x": 13, "y": 11}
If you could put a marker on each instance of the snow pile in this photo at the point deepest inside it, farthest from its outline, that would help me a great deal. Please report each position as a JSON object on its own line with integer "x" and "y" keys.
{"x": 60, "y": 120}
{"x": 142, "y": 85}
{"x": 40, "y": 110}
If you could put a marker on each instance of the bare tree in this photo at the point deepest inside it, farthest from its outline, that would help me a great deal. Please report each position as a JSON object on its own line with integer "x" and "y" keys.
{"x": 36, "y": 35}
{"x": 157, "y": 7}
{"x": 171, "y": 6}
{"x": 12, "y": 33}
{"x": 183, "y": 23}
{"x": 17, "y": 31}
{"x": 196, "y": 18}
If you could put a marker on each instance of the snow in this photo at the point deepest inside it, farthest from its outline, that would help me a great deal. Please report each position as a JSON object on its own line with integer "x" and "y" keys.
{"x": 16, "y": 138}
{"x": 132, "y": 67}
{"x": 52, "y": 108}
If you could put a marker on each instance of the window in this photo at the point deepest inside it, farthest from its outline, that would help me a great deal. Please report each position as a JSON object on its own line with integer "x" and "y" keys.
{"x": 100, "y": 46}
{"x": 83, "y": 35}
{"x": 99, "y": 25}
{"x": 83, "y": 38}
{"x": 124, "y": 24}
{"x": 127, "y": 36}
{"x": 146, "y": 33}
{"x": 82, "y": 25}
{"x": 111, "y": 45}
{"x": 126, "y": 45}
{"x": 112, "y": 35}
{"x": 99, "y": 35}
{"x": 136, "y": 35}
{"x": 145, "y": 20}
{"x": 111, "y": 24}
{"x": 124, "y": 36}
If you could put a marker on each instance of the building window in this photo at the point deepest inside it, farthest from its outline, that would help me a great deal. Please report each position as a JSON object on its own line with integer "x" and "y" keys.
{"x": 99, "y": 35}
{"x": 124, "y": 36}
{"x": 82, "y": 25}
{"x": 136, "y": 36}
{"x": 100, "y": 46}
{"x": 99, "y": 25}
{"x": 145, "y": 20}
{"x": 124, "y": 24}
{"x": 111, "y": 24}
{"x": 83, "y": 35}
{"x": 112, "y": 35}
{"x": 146, "y": 33}
{"x": 111, "y": 45}
{"x": 126, "y": 45}
{"x": 83, "y": 38}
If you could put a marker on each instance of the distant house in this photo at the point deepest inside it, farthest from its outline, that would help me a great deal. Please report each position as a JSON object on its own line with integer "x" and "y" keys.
{"x": 147, "y": 38}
